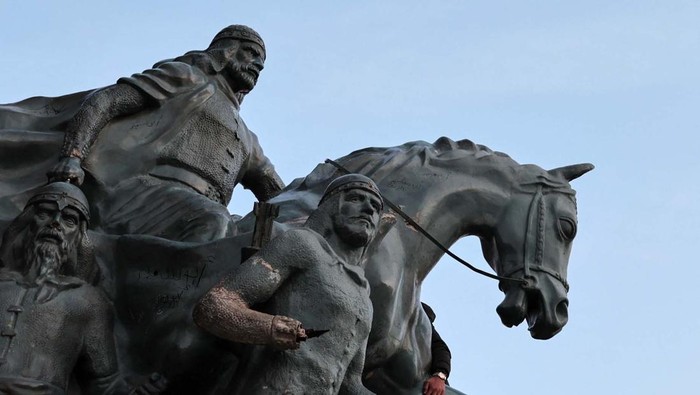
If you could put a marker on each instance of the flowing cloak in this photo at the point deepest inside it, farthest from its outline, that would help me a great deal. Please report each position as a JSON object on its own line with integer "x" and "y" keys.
{"x": 31, "y": 136}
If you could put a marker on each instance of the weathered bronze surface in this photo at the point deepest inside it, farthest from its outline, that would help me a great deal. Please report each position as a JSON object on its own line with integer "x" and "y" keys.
{"x": 155, "y": 283}
{"x": 313, "y": 274}
{"x": 167, "y": 140}
{"x": 55, "y": 324}
{"x": 158, "y": 155}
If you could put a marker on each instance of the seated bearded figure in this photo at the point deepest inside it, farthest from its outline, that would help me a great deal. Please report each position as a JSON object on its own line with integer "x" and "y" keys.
{"x": 54, "y": 323}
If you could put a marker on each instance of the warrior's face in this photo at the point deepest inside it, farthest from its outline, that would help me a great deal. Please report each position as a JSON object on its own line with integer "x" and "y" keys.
{"x": 53, "y": 237}
{"x": 357, "y": 217}
{"x": 245, "y": 65}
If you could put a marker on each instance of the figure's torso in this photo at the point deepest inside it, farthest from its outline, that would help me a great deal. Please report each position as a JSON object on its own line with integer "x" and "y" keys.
{"x": 40, "y": 341}
{"x": 196, "y": 134}
{"x": 328, "y": 294}
{"x": 213, "y": 143}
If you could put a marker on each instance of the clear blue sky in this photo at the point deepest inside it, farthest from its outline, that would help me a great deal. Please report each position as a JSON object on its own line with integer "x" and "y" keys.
{"x": 548, "y": 82}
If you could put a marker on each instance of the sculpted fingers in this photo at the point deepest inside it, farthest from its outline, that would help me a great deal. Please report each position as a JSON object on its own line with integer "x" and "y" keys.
{"x": 301, "y": 334}
{"x": 67, "y": 169}
{"x": 286, "y": 333}
{"x": 155, "y": 385}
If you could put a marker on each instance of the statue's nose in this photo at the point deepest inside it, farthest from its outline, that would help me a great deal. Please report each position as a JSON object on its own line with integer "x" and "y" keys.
{"x": 56, "y": 221}
{"x": 561, "y": 313}
{"x": 258, "y": 62}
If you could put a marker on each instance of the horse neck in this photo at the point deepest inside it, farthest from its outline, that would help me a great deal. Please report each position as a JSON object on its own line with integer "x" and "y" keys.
{"x": 450, "y": 211}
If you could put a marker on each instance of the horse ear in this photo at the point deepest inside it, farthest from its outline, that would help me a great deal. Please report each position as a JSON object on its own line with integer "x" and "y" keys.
{"x": 572, "y": 172}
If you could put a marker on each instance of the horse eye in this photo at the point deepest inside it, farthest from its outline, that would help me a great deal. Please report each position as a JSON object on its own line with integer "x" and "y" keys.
{"x": 567, "y": 228}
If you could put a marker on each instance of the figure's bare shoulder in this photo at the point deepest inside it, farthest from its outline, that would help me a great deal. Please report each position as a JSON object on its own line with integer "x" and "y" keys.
{"x": 295, "y": 247}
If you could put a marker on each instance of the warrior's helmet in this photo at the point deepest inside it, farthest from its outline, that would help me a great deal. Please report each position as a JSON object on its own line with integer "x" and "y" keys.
{"x": 64, "y": 194}
{"x": 239, "y": 32}
{"x": 351, "y": 181}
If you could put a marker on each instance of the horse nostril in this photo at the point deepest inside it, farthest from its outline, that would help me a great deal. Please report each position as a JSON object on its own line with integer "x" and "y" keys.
{"x": 513, "y": 309}
{"x": 562, "y": 311}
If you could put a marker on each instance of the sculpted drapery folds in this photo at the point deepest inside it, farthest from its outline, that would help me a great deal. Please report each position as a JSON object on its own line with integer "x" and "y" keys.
{"x": 54, "y": 322}
{"x": 311, "y": 275}
{"x": 160, "y": 152}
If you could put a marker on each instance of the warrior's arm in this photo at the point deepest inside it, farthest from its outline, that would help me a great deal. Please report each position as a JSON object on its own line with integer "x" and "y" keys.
{"x": 96, "y": 111}
{"x": 97, "y": 369}
{"x": 225, "y": 310}
{"x": 260, "y": 175}
{"x": 98, "y": 108}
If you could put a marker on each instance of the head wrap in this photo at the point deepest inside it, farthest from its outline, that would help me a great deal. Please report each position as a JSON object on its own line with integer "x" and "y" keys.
{"x": 239, "y": 32}
{"x": 351, "y": 181}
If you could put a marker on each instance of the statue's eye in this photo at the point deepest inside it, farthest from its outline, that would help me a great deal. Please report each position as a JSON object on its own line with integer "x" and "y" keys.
{"x": 567, "y": 228}
{"x": 70, "y": 220}
{"x": 43, "y": 214}
{"x": 353, "y": 198}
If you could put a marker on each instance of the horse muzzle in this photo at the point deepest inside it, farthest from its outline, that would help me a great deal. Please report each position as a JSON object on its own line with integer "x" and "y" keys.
{"x": 513, "y": 309}
{"x": 545, "y": 306}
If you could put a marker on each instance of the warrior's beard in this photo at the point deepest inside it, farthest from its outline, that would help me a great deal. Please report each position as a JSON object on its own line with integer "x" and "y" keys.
{"x": 45, "y": 258}
{"x": 353, "y": 233}
{"x": 245, "y": 75}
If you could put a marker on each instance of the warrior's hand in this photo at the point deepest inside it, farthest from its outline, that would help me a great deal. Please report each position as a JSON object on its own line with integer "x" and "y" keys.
{"x": 287, "y": 333}
{"x": 155, "y": 385}
{"x": 67, "y": 169}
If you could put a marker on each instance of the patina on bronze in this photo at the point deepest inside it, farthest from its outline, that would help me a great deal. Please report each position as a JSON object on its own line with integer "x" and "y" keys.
{"x": 265, "y": 214}
{"x": 313, "y": 274}
{"x": 170, "y": 140}
{"x": 450, "y": 187}
{"x": 54, "y": 323}
{"x": 164, "y": 141}
{"x": 454, "y": 189}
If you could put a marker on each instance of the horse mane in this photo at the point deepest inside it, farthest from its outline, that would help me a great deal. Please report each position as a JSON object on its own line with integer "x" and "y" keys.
{"x": 379, "y": 163}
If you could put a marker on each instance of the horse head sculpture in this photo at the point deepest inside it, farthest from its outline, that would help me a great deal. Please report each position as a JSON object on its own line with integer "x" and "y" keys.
{"x": 537, "y": 253}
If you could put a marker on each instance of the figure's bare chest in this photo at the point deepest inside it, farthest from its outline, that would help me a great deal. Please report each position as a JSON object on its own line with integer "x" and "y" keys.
{"x": 328, "y": 295}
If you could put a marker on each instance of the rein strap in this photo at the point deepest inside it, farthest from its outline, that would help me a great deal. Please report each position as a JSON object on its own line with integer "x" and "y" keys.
{"x": 425, "y": 233}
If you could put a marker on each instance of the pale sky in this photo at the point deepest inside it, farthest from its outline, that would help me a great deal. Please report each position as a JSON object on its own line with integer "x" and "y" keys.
{"x": 548, "y": 82}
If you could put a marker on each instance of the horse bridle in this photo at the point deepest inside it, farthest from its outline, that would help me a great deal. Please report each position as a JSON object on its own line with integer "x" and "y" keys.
{"x": 532, "y": 260}
{"x": 536, "y": 219}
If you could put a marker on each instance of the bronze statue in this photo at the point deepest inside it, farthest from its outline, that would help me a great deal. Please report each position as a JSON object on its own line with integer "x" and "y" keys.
{"x": 159, "y": 154}
{"x": 163, "y": 149}
{"x": 54, "y": 323}
{"x": 524, "y": 215}
{"x": 313, "y": 274}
